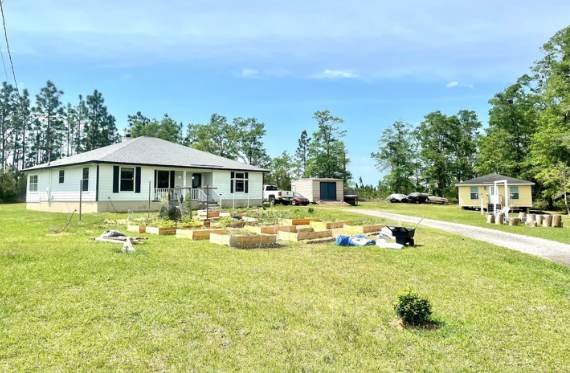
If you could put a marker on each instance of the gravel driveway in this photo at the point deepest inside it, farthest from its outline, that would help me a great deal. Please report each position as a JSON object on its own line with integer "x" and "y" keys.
{"x": 555, "y": 251}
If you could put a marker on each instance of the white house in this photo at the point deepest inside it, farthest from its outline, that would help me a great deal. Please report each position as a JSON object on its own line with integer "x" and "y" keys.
{"x": 129, "y": 174}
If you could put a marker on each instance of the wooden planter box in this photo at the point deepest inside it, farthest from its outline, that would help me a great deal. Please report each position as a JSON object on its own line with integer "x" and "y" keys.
{"x": 249, "y": 220}
{"x": 270, "y": 230}
{"x": 237, "y": 224}
{"x": 197, "y": 234}
{"x": 356, "y": 229}
{"x": 211, "y": 214}
{"x": 136, "y": 228}
{"x": 161, "y": 231}
{"x": 329, "y": 225}
{"x": 305, "y": 221}
{"x": 225, "y": 215}
{"x": 304, "y": 228}
{"x": 302, "y": 236}
{"x": 242, "y": 241}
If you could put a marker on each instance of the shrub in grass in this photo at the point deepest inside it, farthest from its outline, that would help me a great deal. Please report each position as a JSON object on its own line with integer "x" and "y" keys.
{"x": 412, "y": 308}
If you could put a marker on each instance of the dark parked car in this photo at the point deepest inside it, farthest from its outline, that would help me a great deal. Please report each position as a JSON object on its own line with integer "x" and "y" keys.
{"x": 397, "y": 198}
{"x": 418, "y": 197}
{"x": 299, "y": 199}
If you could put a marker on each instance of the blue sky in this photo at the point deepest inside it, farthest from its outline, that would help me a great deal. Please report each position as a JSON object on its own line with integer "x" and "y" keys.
{"x": 368, "y": 62}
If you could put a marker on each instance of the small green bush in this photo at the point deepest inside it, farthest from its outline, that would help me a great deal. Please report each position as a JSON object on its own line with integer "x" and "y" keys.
{"x": 412, "y": 308}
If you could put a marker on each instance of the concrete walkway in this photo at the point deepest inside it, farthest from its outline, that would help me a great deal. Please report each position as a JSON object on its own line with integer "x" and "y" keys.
{"x": 555, "y": 251}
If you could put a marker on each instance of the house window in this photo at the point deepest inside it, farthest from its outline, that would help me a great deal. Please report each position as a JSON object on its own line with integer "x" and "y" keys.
{"x": 514, "y": 190}
{"x": 61, "y": 176}
{"x": 85, "y": 180}
{"x": 239, "y": 182}
{"x": 127, "y": 179}
{"x": 474, "y": 193}
{"x": 33, "y": 183}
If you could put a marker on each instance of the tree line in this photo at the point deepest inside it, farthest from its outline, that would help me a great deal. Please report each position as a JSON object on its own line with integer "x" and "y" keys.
{"x": 528, "y": 136}
{"x": 46, "y": 130}
{"x": 322, "y": 155}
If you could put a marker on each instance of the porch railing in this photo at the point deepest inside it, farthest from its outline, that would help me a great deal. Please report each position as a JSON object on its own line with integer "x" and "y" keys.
{"x": 172, "y": 194}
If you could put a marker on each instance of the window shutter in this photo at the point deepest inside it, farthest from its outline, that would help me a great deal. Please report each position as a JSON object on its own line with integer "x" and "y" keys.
{"x": 155, "y": 178}
{"x": 246, "y": 175}
{"x": 115, "y": 179}
{"x": 172, "y": 179}
{"x": 137, "y": 180}
{"x": 247, "y": 186}
{"x": 232, "y": 182}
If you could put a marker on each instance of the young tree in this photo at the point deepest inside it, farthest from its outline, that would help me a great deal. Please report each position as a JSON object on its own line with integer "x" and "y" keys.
{"x": 280, "y": 174}
{"x": 167, "y": 129}
{"x": 466, "y": 127}
{"x": 49, "y": 113}
{"x": 396, "y": 155}
{"x": 101, "y": 129}
{"x": 436, "y": 141}
{"x": 505, "y": 147}
{"x": 327, "y": 153}
{"x": 302, "y": 153}
{"x": 8, "y": 107}
{"x": 250, "y": 133}
{"x": 217, "y": 137}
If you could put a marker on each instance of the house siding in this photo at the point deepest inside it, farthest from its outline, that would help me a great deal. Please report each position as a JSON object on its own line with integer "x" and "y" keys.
{"x": 66, "y": 195}
{"x": 525, "y": 196}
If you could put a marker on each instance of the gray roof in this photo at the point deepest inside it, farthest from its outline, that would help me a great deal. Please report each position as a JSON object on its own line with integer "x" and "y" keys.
{"x": 491, "y": 178}
{"x": 151, "y": 151}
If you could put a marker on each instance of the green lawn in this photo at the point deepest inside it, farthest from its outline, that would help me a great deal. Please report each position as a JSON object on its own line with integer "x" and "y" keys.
{"x": 454, "y": 214}
{"x": 67, "y": 304}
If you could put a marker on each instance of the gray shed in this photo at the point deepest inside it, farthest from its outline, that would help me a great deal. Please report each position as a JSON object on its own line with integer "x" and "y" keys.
{"x": 319, "y": 189}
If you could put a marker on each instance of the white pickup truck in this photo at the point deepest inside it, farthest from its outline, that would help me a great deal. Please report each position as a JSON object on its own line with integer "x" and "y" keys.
{"x": 273, "y": 195}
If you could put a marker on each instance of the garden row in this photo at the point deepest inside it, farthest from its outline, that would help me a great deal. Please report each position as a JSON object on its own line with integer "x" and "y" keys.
{"x": 254, "y": 227}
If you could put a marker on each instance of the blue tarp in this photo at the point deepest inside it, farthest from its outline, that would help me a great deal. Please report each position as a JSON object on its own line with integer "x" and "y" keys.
{"x": 356, "y": 240}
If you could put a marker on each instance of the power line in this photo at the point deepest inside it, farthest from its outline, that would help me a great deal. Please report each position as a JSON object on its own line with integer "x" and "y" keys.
{"x": 8, "y": 46}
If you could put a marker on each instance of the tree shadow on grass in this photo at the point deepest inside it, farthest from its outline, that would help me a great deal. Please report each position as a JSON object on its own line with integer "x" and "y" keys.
{"x": 400, "y": 324}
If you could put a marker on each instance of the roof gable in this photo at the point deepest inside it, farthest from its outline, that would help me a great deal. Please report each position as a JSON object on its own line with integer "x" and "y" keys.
{"x": 151, "y": 151}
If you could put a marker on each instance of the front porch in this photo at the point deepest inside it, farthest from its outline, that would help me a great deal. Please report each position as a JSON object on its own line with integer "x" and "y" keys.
{"x": 203, "y": 196}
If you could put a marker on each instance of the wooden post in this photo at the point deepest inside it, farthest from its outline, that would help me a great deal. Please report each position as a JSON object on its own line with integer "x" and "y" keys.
{"x": 148, "y": 211}
{"x": 557, "y": 221}
{"x": 513, "y": 222}
{"x": 499, "y": 218}
{"x": 531, "y": 217}
{"x": 522, "y": 215}
{"x": 490, "y": 219}
{"x": 547, "y": 221}
{"x": 80, "y": 197}
{"x": 531, "y": 223}
{"x": 539, "y": 219}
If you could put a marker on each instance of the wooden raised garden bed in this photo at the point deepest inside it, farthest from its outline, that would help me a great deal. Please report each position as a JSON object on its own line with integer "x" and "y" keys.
{"x": 329, "y": 225}
{"x": 197, "y": 234}
{"x": 355, "y": 229}
{"x": 270, "y": 230}
{"x": 161, "y": 231}
{"x": 302, "y": 236}
{"x": 136, "y": 228}
{"x": 305, "y": 221}
{"x": 207, "y": 215}
{"x": 242, "y": 241}
{"x": 304, "y": 228}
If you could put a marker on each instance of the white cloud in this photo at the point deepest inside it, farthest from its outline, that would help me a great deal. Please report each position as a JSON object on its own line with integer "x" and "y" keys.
{"x": 335, "y": 74}
{"x": 458, "y": 84}
{"x": 249, "y": 73}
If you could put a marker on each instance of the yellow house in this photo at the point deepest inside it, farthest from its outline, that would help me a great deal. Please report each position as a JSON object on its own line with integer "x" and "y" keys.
{"x": 519, "y": 192}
